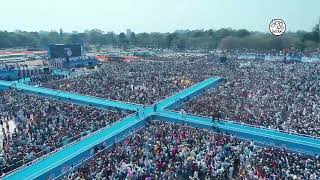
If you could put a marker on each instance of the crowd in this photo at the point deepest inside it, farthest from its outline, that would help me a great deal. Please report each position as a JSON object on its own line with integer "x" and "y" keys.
{"x": 274, "y": 52}
{"x": 187, "y": 56}
{"x": 262, "y": 93}
{"x": 43, "y": 125}
{"x": 47, "y": 77}
{"x": 178, "y": 152}
{"x": 138, "y": 82}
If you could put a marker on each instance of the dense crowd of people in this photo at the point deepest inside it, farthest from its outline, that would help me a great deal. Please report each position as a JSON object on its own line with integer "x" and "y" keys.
{"x": 189, "y": 56}
{"x": 270, "y": 94}
{"x": 262, "y": 93}
{"x": 178, "y": 152}
{"x": 43, "y": 125}
{"x": 137, "y": 82}
{"x": 274, "y": 52}
{"x": 47, "y": 77}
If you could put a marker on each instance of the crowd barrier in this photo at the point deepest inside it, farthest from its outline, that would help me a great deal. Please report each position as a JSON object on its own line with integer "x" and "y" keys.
{"x": 84, "y": 162}
{"x": 294, "y": 142}
{"x": 65, "y": 159}
{"x": 77, "y": 98}
{"x": 249, "y": 125}
{"x": 80, "y": 156}
{"x": 279, "y": 58}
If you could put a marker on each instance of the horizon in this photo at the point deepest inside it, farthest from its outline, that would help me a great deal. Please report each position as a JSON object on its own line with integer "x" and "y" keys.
{"x": 124, "y": 31}
{"x": 156, "y": 16}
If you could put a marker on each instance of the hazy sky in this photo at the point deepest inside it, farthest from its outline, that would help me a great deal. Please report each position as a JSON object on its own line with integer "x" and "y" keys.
{"x": 155, "y": 15}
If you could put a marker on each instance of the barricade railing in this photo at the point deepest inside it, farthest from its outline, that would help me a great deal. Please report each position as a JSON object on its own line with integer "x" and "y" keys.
{"x": 250, "y": 125}
{"x": 105, "y": 99}
{"x": 84, "y": 162}
{"x": 42, "y": 154}
{"x": 116, "y": 131}
{"x": 24, "y": 165}
{"x": 178, "y": 92}
{"x": 75, "y": 93}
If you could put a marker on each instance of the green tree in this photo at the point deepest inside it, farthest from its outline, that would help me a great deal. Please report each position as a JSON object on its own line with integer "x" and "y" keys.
{"x": 133, "y": 38}
{"x": 123, "y": 41}
{"x": 95, "y": 36}
{"x": 61, "y": 33}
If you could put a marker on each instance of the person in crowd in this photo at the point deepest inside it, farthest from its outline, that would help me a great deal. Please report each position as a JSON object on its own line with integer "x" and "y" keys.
{"x": 270, "y": 94}
{"x": 263, "y": 93}
{"x": 42, "y": 125}
{"x": 178, "y": 152}
{"x": 136, "y": 82}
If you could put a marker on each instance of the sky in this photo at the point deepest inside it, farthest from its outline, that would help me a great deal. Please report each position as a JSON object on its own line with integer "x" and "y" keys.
{"x": 156, "y": 15}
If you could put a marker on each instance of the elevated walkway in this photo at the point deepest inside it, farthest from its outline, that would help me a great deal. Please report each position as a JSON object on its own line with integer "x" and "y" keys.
{"x": 4, "y": 84}
{"x": 73, "y": 154}
{"x": 65, "y": 158}
{"x": 72, "y": 97}
{"x": 262, "y": 136}
{"x": 187, "y": 94}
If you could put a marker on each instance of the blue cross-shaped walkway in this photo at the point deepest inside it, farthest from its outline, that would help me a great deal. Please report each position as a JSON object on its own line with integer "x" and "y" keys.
{"x": 54, "y": 164}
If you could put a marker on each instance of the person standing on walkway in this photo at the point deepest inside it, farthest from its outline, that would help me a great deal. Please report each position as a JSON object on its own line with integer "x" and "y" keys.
{"x": 137, "y": 113}
{"x": 213, "y": 122}
{"x": 155, "y": 108}
{"x": 212, "y": 119}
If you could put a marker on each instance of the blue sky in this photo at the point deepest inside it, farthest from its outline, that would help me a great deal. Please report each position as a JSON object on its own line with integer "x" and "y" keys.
{"x": 156, "y": 15}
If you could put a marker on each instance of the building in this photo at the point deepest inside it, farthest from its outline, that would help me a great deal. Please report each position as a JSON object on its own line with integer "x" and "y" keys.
{"x": 69, "y": 56}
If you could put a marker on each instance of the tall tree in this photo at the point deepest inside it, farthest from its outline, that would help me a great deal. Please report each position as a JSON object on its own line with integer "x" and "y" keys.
{"x": 123, "y": 40}
{"x": 61, "y": 32}
{"x": 133, "y": 38}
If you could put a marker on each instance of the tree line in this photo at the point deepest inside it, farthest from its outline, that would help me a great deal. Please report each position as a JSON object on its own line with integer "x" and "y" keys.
{"x": 225, "y": 38}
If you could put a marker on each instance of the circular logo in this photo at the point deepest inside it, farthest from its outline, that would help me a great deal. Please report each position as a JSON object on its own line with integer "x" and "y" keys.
{"x": 277, "y": 27}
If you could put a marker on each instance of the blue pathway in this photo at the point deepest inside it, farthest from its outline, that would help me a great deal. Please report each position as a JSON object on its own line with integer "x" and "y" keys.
{"x": 55, "y": 162}
{"x": 44, "y": 165}
{"x": 5, "y": 83}
{"x": 310, "y": 145}
{"x": 72, "y": 97}
{"x": 185, "y": 95}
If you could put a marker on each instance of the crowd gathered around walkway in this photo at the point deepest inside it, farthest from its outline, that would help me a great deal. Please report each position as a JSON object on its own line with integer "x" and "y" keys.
{"x": 136, "y": 82}
{"x": 263, "y": 93}
{"x": 42, "y": 125}
{"x": 178, "y": 152}
{"x": 275, "y": 95}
